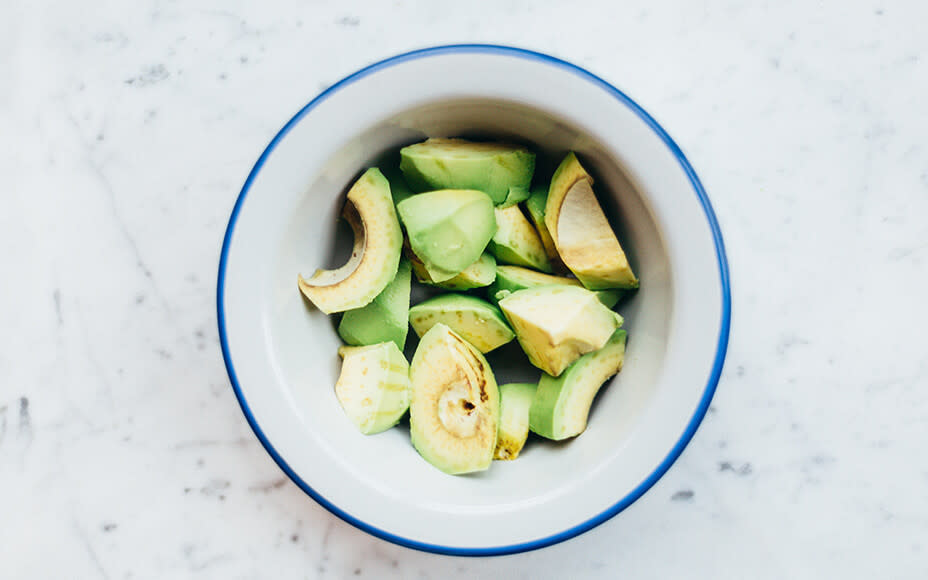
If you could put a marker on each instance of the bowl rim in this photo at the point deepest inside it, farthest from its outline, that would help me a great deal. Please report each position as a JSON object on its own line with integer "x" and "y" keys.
{"x": 721, "y": 349}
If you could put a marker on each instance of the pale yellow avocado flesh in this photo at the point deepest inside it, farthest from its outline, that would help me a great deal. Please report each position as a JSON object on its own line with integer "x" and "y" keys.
{"x": 581, "y": 233}
{"x": 373, "y": 387}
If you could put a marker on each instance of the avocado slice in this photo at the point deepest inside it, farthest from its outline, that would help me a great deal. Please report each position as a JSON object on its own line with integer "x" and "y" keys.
{"x": 373, "y": 387}
{"x": 502, "y": 171}
{"x": 448, "y": 229}
{"x": 535, "y": 205}
{"x": 480, "y": 273}
{"x": 378, "y": 240}
{"x": 557, "y": 324}
{"x": 561, "y": 405}
{"x": 515, "y": 399}
{"x": 477, "y": 321}
{"x": 516, "y": 241}
{"x": 454, "y": 412}
{"x": 581, "y": 233}
{"x": 398, "y": 186}
{"x": 513, "y": 278}
{"x": 384, "y": 319}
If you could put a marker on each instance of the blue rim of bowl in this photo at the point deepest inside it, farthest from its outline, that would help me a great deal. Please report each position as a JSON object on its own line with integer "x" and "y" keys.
{"x": 718, "y": 363}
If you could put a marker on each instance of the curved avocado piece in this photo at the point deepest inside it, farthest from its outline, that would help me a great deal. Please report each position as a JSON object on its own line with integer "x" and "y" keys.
{"x": 454, "y": 412}
{"x": 516, "y": 241}
{"x": 581, "y": 233}
{"x": 373, "y": 387}
{"x": 561, "y": 405}
{"x": 514, "y": 278}
{"x": 535, "y": 205}
{"x": 503, "y": 171}
{"x": 378, "y": 241}
{"x": 480, "y": 273}
{"x": 477, "y": 321}
{"x": 384, "y": 319}
{"x": 448, "y": 229}
{"x": 515, "y": 400}
{"x": 555, "y": 325}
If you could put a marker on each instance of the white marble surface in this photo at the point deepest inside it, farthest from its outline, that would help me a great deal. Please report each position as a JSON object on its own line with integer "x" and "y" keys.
{"x": 127, "y": 129}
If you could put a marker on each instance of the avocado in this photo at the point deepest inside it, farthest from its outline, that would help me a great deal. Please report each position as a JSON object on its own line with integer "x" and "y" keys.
{"x": 477, "y": 321}
{"x": 561, "y": 405}
{"x": 373, "y": 387}
{"x": 448, "y": 229}
{"x": 501, "y": 170}
{"x": 555, "y": 325}
{"x": 480, "y": 273}
{"x": 384, "y": 319}
{"x": 454, "y": 412}
{"x": 581, "y": 233}
{"x": 515, "y": 399}
{"x": 513, "y": 278}
{"x": 535, "y": 205}
{"x": 516, "y": 241}
{"x": 398, "y": 186}
{"x": 378, "y": 241}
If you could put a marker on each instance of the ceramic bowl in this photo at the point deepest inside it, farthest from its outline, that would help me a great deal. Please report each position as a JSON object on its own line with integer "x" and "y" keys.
{"x": 281, "y": 353}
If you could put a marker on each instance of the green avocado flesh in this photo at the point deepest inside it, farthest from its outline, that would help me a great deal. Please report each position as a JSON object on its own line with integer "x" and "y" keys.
{"x": 384, "y": 319}
{"x": 378, "y": 242}
{"x": 454, "y": 411}
{"x": 398, "y": 186}
{"x": 448, "y": 229}
{"x": 513, "y": 278}
{"x": 373, "y": 387}
{"x": 502, "y": 171}
{"x": 515, "y": 399}
{"x": 561, "y": 405}
{"x": 480, "y": 273}
{"x": 516, "y": 241}
{"x": 555, "y": 325}
{"x": 477, "y": 321}
{"x": 535, "y": 205}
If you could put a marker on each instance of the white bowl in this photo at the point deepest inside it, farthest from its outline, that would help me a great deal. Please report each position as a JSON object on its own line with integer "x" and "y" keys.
{"x": 281, "y": 353}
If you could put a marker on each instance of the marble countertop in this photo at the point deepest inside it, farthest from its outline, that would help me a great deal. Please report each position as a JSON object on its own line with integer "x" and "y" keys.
{"x": 127, "y": 129}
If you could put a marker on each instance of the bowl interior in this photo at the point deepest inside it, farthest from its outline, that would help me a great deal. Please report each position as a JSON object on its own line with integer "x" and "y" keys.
{"x": 303, "y": 341}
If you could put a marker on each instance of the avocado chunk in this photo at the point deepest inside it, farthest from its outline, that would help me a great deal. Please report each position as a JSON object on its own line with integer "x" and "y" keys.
{"x": 398, "y": 186}
{"x": 384, "y": 319}
{"x": 378, "y": 241}
{"x": 535, "y": 205}
{"x": 515, "y": 399}
{"x": 373, "y": 387}
{"x": 581, "y": 233}
{"x": 516, "y": 241}
{"x": 477, "y": 321}
{"x": 555, "y": 325}
{"x": 500, "y": 170}
{"x": 448, "y": 229}
{"x": 561, "y": 405}
{"x": 514, "y": 278}
{"x": 454, "y": 412}
{"x": 480, "y": 273}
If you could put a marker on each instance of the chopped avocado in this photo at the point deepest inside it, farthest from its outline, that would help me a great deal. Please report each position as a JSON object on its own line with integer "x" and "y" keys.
{"x": 535, "y": 205}
{"x": 515, "y": 399}
{"x": 398, "y": 186}
{"x": 561, "y": 405}
{"x": 557, "y": 324}
{"x": 516, "y": 196}
{"x": 480, "y": 273}
{"x": 378, "y": 241}
{"x": 384, "y": 319}
{"x": 502, "y": 171}
{"x": 516, "y": 241}
{"x": 513, "y": 278}
{"x": 477, "y": 321}
{"x": 373, "y": 387}
{"x": 454, "y": 412}
{"x": 581, "y": 233}
{"x": 448, "y": 229}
